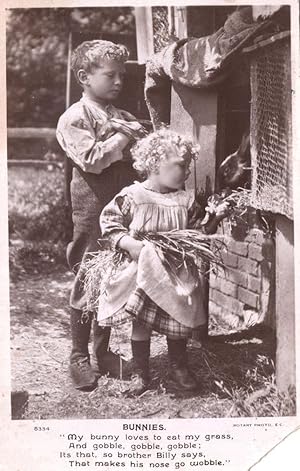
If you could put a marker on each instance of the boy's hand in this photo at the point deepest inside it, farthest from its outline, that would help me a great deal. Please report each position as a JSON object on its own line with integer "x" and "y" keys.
{"x": 132, "y": 246}
{"x": 116, "y": 142}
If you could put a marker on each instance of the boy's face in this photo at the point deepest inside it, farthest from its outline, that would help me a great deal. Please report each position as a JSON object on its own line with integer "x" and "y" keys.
{"x": 104, "y": 82}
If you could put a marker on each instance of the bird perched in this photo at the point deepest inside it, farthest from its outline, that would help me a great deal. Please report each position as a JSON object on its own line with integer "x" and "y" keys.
{"x": 233, "y": 171}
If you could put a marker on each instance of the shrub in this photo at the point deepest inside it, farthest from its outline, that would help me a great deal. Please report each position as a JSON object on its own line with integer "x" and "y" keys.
{"x": 34, "y": 258}
{"x": 39, "y": 224}
{"x": 36, "y": 205}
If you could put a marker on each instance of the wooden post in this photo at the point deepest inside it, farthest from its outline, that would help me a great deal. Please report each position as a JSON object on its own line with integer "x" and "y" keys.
{"x": 68, "y": 168}
{"x": 68, "y": 78}
{"x": 285, "y": 303}
{"x": 180, "y": 22}
{"x": 194, "y": 114}
{"x": 144, "y": 33}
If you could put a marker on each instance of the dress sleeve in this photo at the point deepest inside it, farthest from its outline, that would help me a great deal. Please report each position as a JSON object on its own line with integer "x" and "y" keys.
{"x": 115, "y": 218}
{"x": 195, "y": 214}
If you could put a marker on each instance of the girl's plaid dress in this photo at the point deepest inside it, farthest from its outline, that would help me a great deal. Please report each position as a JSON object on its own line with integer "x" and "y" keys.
{"x": 137, "y": 208}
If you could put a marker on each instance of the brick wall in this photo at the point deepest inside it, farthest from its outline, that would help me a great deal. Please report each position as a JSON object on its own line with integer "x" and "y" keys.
{"x": 243, "y": 293}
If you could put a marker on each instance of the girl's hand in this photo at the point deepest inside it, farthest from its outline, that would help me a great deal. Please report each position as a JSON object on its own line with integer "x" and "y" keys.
{"x": 222, "y": 210}
{"x": 211, "y": 224}
{"x": 132, "y": 246}
{"x": 135, "y": 250}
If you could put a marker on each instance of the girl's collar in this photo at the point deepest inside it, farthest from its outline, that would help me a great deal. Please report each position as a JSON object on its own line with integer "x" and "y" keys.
{"x": 149, "y": 186}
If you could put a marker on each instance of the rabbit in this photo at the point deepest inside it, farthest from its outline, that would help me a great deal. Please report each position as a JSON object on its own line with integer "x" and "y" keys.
{"x": 233, "y": 171}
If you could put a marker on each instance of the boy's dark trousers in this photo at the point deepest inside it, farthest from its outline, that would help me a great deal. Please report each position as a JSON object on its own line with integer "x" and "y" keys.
{"x": 89, "y": 194}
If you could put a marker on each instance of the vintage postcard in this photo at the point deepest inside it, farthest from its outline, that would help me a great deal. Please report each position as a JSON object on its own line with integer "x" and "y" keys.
{"x": 149, "y": 227}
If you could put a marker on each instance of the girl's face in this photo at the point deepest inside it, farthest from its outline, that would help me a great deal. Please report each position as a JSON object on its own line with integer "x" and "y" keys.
{"x": 174, "y": 171}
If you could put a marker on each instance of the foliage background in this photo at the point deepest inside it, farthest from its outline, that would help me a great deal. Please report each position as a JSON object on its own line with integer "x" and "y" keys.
{"x": 37, "y": 43}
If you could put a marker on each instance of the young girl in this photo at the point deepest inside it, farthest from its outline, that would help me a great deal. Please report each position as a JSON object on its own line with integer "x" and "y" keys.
{"x": 142, "y": 291}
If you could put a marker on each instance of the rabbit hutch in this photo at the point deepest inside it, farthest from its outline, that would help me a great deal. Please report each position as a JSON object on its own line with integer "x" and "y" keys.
{"x": 218, "y": 72}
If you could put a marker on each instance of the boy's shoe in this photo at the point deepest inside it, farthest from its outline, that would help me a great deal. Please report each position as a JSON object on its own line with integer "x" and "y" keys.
{"x": 82, "y": 374}
{"x": 140, "y": 378}
{"x": 180, "y": 378}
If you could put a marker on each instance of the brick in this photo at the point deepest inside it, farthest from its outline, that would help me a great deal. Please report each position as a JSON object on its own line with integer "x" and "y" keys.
{"x": 213, "y": 295}
{"x": 228, "y": 288}
{"x": 248, "y": 266}
{"x": 213, "y": 281}
{"x": 234, "y": 305}
{"x": 239, "y": 248}
{"x": 214, "y": 309}
{"x": 226, "y": 302}
{"x": 247, "y": 297}
{"x": 217, "y": 275}
{"x": 230, "y": 259}
{"x": 256, "y": 252}
{"x": 254, "y": 284}
{"x": 220, "y": 298}
{"x": 237, "y": 277}
{"x": 221, "y": 273}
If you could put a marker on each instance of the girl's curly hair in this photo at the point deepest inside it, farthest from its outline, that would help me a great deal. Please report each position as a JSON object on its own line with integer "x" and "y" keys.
{"x": 150, "y": 151}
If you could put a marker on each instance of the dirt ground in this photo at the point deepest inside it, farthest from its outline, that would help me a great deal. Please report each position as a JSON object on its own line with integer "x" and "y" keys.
{"x": 235, "y": 369}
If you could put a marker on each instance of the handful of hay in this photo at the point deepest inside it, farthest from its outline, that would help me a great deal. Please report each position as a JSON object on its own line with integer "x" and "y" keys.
{"x": 188, "y": 250}
{"x": 237, "y": 201}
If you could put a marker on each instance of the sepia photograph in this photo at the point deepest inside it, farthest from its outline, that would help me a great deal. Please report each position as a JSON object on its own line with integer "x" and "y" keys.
{"x": 150, "y": 212}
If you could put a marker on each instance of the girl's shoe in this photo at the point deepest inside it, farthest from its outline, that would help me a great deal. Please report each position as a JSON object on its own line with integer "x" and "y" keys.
{"x": 180, "y": 377}
{"x": 140, "y": 377}
{"x": 138, "y": 385}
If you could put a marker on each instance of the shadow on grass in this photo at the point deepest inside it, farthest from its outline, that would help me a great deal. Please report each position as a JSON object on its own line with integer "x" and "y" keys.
{"x": 42, "y": 304}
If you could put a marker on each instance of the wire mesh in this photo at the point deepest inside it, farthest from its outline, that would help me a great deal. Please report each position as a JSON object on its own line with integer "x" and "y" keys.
{"x": 271, "y": 129}
{"x": 160, "y": 24}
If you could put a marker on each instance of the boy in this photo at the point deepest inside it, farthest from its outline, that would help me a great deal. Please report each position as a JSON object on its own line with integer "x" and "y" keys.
{"x": 95, "y": 135}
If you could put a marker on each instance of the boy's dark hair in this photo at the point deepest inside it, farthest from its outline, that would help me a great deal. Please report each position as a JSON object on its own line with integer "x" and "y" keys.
{"x": 89, "y": 53}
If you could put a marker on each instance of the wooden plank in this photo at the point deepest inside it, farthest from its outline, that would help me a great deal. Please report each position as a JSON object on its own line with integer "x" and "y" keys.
{"x": 267, "y": 42}
{"x": 34, "y": 163}
{"x": 31, "y": 133}
{"x": 285, "y": 303}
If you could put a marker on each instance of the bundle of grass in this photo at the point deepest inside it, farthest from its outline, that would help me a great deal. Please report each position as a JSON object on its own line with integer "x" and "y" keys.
{"x": 99, "y": 268}
{"x": 179, "y": 250}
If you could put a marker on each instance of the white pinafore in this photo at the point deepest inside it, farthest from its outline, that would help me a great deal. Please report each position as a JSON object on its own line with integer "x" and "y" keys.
{"x": 155, "y": 212}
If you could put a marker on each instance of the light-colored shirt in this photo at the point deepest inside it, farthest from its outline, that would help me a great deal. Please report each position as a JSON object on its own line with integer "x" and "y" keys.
{"x": 84, "y": 127}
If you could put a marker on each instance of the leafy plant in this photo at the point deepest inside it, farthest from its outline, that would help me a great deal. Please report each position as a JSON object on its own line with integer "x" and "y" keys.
{"x": 39, "y": 223}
